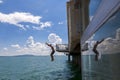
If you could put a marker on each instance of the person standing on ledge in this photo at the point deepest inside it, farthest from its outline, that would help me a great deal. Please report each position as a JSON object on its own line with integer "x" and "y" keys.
{"x": 95, "y": 49}
{"x": 53, "y": 51}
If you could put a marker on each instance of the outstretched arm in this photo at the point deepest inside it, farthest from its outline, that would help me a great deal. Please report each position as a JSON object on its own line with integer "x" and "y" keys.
{"x": 47, "y": 44}
{"x": 50, "y": 46}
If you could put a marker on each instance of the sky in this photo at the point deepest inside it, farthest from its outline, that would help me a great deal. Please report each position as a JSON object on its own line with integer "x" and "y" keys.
{"x": 25, "y": 26}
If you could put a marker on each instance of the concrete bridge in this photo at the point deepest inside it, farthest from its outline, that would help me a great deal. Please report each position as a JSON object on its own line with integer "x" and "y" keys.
{"x": 77, "y": 20}
{"x": 80, "y": 30}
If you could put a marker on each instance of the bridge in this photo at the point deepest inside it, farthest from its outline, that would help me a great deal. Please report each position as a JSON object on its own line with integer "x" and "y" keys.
{"x": 80, "y": 29}
{"x": 77, "y": 21}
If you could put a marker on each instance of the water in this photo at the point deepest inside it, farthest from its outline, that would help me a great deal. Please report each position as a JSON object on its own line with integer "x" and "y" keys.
{"x": 107, "y": 68}
{"x": 37, "y": 68}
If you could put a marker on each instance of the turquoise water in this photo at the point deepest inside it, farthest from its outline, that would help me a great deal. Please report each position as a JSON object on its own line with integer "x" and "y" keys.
{"x": 37, "y": 68}
{"x": 107, "y": 68}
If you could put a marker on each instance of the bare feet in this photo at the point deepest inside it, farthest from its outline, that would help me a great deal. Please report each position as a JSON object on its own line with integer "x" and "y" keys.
{"x": 52, "y": 57}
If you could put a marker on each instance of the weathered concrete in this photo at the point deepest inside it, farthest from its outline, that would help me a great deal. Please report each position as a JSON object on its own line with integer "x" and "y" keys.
{"x": 73, "y": 15}
{"x": 69, "y": 58}
{"x": 78, "y": 19}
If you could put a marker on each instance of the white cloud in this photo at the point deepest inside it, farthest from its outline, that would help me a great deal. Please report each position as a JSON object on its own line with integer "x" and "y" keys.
{"x": 108, "y": 46}
{"x": 46, "y": 24}
{"x": 32, "y": 47}
{"x": 27, "y": 26}
{"x": 17, "y": 18}
{"x": 111, "y": 45}
{"x": 5, "y": 49}
{"x": 91, "y": 42}
{"x": 43, "y": 25}
{"x": 1, "y": 1}
{"x": 35, "y": 48}
{"x": 55, "y": 39}
{"x": 16, "y": 46}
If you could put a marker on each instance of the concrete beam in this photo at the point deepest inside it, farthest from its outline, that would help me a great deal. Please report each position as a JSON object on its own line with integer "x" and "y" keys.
{"x": 78, "y": 18}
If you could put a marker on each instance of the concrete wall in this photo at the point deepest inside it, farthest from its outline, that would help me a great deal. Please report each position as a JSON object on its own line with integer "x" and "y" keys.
{"x": 73, "y": 25}
{"x": 78, "y": 18}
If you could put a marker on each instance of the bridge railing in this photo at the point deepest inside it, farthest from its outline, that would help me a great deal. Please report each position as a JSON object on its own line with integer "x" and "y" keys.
{"x": 62, "y": 47}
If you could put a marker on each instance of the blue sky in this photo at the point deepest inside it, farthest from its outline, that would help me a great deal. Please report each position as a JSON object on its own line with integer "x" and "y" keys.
{"x": 25, "y": 25}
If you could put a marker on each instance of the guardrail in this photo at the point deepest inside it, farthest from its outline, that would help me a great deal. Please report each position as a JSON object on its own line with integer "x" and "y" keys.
{"x": 62, "y": 48}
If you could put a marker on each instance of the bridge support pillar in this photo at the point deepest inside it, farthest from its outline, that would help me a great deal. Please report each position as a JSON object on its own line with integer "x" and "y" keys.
{"x": 69, "y": 59}
{"x": 76, "y": 59}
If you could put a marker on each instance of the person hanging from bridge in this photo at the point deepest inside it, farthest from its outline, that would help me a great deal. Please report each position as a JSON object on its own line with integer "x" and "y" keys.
{"x": 97, "y": 54}
{"x": 52, "y": 52}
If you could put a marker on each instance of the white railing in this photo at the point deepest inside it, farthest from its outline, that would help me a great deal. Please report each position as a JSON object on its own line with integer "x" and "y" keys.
{"x": 62, "y": 47}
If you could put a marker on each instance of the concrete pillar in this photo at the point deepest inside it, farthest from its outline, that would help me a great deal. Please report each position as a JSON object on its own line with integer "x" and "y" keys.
{"x": 85, "y": 14}
{"x": 76, "y": 59}
{"x": 69, "y": 58}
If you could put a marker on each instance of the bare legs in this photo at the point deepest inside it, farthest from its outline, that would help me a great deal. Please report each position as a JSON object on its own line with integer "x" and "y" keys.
{"x": 95, "y": 49}
{"x": 52, "y": 57}
{"x": 96, "y": 54}
{"x": 53, "y": 51}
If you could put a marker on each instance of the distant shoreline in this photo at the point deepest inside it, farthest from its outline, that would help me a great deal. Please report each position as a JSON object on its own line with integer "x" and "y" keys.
{"x": 29, "y": 55}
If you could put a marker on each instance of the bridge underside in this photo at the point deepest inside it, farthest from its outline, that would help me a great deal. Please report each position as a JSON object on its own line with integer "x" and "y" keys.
{"x": 78, "y": 19}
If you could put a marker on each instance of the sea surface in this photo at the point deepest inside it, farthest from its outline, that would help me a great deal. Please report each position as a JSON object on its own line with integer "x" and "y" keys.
{"x": 106, "y": 68}
{"x": 37, "y": 68}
